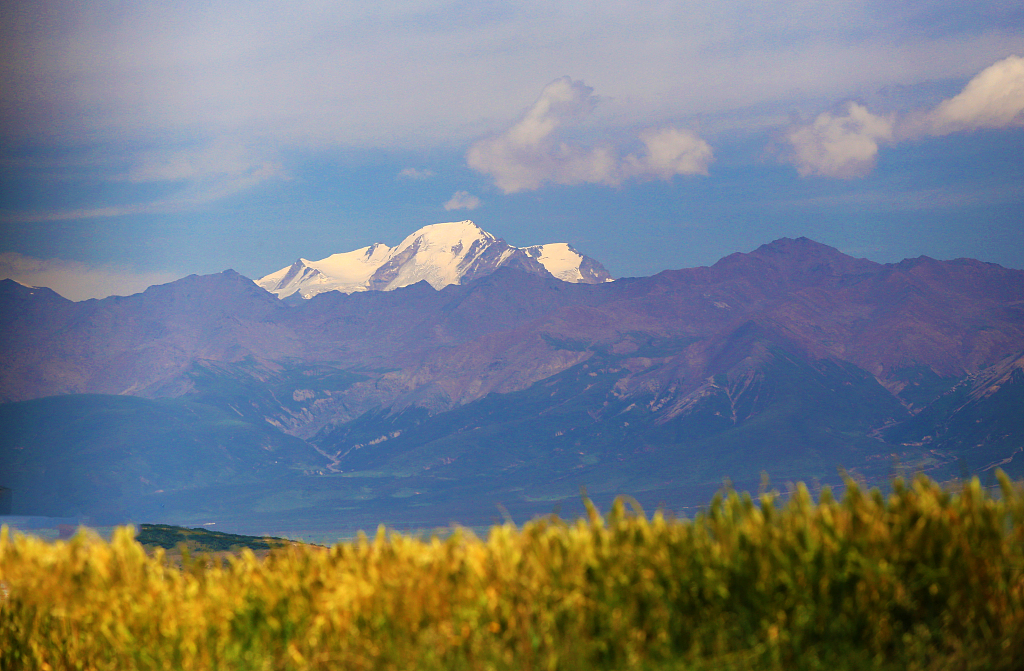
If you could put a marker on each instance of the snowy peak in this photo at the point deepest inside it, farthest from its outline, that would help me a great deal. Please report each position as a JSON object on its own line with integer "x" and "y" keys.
{"x": 449, "y": 236}
{"x": 440, "y": 254}
{"x": 347, "y": 272}
{"x": 567, "y": 264}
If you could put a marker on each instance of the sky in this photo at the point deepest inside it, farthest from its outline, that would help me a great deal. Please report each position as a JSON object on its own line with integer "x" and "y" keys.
{"x": 144, "y": 141}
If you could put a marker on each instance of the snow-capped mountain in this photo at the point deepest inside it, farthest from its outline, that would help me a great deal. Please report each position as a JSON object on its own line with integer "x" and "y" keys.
{"x": 440, "y": 254}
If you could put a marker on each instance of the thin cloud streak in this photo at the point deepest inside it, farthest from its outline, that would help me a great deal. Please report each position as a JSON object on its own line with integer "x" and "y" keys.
{"x": 938, "y": 199}
{"x": 219, "y": 160}
{"x": 415, "y": 173}
{"x": 203, "y": 176}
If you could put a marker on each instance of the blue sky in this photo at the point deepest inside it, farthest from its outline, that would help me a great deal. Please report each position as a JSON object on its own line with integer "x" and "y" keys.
{"x": 144, "y": 141}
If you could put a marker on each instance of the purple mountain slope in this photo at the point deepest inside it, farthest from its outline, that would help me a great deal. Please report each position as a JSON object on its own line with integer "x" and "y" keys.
{"x": 952, "y": 317}
{"x": 793, "y": 357}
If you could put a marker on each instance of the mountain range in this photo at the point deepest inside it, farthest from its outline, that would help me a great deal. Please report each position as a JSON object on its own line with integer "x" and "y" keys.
{"x": 211, "y": 399}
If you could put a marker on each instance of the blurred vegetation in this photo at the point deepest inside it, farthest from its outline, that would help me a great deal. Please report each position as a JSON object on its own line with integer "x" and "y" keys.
{"x": 925, "y": 577}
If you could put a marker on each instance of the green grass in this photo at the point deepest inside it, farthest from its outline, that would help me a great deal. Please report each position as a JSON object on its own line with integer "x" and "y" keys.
{"x": 202, "y": 540}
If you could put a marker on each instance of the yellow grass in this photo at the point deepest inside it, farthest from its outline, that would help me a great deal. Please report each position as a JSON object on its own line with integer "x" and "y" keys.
{"x": 924, "y": 578}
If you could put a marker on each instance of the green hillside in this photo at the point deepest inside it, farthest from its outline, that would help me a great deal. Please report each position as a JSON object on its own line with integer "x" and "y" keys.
{"x": 171, "y": 537}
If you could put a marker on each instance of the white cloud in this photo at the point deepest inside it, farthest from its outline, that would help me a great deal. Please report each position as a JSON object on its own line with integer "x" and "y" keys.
{"x": 528, "y": 153}
{"x": 462, "y": 200}
{"x": 839, "y": 145}
{"x": 670, "y": 152}
{"x": 533, "y": 151}
{"x": 415, "y": 173}
{"x": 846, "y": 145}
{"x": 75, "y": 280}
{"x": 994, "y": 98}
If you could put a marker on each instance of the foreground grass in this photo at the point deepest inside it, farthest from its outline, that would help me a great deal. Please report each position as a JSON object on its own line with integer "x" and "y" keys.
{"x": 925, "y": 578}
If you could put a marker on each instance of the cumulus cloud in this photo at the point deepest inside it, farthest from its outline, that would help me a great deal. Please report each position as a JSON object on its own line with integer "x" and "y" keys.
{"x": 415, "y": 173}
{"x": 462, "y": 200}
{"x": 846, "y": 145}
{"x": 670, "y": 152}
{"x": 532, "y": 151}
{"x": 528, "y": 153}
{"x": 75, "y": 280}
{"x": 994, "y": 98}
{"x": 839, "y": 145}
